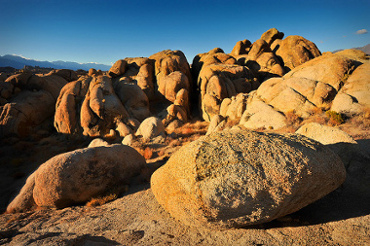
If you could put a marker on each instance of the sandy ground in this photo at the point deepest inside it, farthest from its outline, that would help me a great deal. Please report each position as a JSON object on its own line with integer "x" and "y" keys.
{"x": 341, "y": 218}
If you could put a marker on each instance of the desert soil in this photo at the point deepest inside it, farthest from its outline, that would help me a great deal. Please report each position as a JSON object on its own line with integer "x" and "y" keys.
{"x": 340, "y": 218}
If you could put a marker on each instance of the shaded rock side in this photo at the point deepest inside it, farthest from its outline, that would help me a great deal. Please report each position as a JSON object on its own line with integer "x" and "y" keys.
{"x": 337, "y": 140}
{"x": 262, "y": 61}
{"x": 28, "y": 100}
{"x": 240, "y": 178}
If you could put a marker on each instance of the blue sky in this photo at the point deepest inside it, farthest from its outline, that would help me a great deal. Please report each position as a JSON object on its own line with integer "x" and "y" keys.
{"x": 105, "y": 31}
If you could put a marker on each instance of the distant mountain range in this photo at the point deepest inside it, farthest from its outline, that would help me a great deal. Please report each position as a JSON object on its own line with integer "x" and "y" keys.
{"x": 365, "y": 49}
{"x": 19, "y": 62}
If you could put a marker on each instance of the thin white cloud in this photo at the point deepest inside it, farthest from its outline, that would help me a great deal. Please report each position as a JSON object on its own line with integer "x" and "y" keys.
{"x": 24, "y": 57}
{"x": 362, "y": 31}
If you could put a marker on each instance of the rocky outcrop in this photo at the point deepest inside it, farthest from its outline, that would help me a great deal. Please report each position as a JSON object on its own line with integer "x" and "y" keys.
{"x": 354, "y": 97}
{"x": 201, "y": 184}
{"x": 139, "y": 71}
{"x": 296, "y": 50}
{"x": 94, "y": 106}
{"x": 172, "y": 73}
{"x": 313, "y": 84}
{"x": 214, "y": 56}
{"x": 262, "y": 61}
{"x": 220, "y": 81}
{"x": 76, "y": 177}
{"x": 28, "y": 100}
{"x": 271, "y": 35}
{"x": 241, "y": 48}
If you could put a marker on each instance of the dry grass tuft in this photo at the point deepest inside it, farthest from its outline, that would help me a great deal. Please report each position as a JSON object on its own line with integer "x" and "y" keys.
{"x": 362, "y": 120}
{"x": 293, "y": 120}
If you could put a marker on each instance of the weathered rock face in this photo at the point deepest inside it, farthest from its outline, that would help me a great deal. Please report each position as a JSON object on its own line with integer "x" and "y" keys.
{"x": 241, "y": 178}
{"x": 296, "y": 50}
{"x": 221, "y": 81}
{"x": 271, "y": 35}
{"x": 77, "y": 176}
{"x": 95, "y": 106}
{"x": 139, "y": 71}
{"x": 310, "y": 85}
{"x": 172, "y": 72}
{"x": 214, "y": 56}
{"x": 27, "y": 100}
{"x": 354, "y": 96}
{"x": 241, "y": 47}
{"x": 262, "y": 61}
{"x": 330, "y": 69}
{"x": 258, "y": 114}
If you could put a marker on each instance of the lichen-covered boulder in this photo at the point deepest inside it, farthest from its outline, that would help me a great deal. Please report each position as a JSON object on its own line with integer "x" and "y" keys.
{"x": 77, "y": 176}
{"x": 238, "y": 178}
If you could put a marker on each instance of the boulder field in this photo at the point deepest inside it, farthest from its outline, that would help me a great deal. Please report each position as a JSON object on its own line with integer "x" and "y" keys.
{"x": 247, "y": 181}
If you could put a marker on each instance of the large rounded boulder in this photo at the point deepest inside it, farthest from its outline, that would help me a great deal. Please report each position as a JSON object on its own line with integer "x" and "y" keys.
{"x": 240, "y": 178}
{"x": 76, "y": 177}
{"x": 296, "y": 50}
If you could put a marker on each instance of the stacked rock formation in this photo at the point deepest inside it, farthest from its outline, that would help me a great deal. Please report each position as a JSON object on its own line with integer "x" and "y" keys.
{"x": 116, "y": 104}
{"x": 28, "y": 100}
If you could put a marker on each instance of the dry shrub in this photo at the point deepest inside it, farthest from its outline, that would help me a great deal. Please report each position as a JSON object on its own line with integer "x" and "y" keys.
{"x": 334, "y": 118}
{"x": 148, "y": 153}
{"x": 197, "y": 127}
{"x": 111, "y": 195}
{"x": 231, "y": 123}
{"x": 98, "y": 201}
{"x": 362, "y": 120}
{"x": 292, "y": 119}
